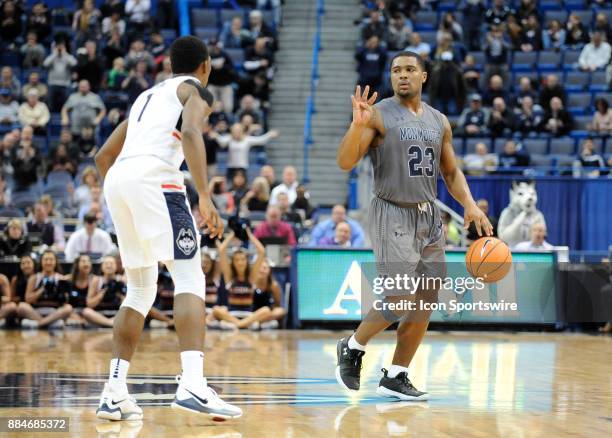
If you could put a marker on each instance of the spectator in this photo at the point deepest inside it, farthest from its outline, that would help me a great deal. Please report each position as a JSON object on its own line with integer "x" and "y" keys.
{"x": 25, "y": 160}
{"x": 525, "y": 9}
{"x": 510, "y": 159}
{"x": 446, "y": 86}
{"x": 498, "y": 13}
{"x": 89, "y": 65}
{"x": 32, "y": 51}
{"x": 259, "y": 29}
{"x": 596, "y": 54}
{"x": 34, "y": 84}
{"x": 87, "y": 144}
{"x": 302, "y": 204}
{"x": 239, "y": 186}
{"x": 116, "y": 75}
{"x": 371, "y": 62}
{"x": 9, "y": 109}
{"x": 219, "y": 119}
{"x": 496, "y": 54}
{"x": 84, "y": 107}
{"x": 472, "y": 233}
{"x": 43, "y": 291}
{"x": 375, "y": 26}
{"x": 342, "y": 237}
{"x": 551, "y": 88}
{"x": 34, "y": 113}
{"x": 158, "y": 47}
{"x": 14, "y": 242}
{"x": 267, "y": 172}
{"x": 258, "y": 59}
{"x": 10, "y": 22}
{"x": 60, "y": 64}
{"x": 480, "y": 162}
{"x": 19, "y": 282}
{"x": 138, "y": 14}
{"x": 248, "y": 105}
{"x": 557, "y": 121}
{"x": 602, "y": 25}
{"x": 258, "y": 197}
{"x": 514, "y": 32}
{"x": 222, "y": 198}
{"x": 165, "y": 72}
{"x": 326, "y": 229}
{"x": 288, "y": 214}
{"x": 525, "y": 89}
{"x": 105, "y": 294}
{"x": 553, "y": 38}
{"x": 41, "y": 226}
{"x": 137, "y": 53}
{"x": 8, "y": 80}
{"x": 6, "y": 153}
{"x": 66, "y": 140}
{"x": 445, "y": 44}
{"x": 531, "y": 38}
{"x": 86, "y": 22}
{"x": 398, "y": 32}
{"x": 418, "y": 46}
{"x": 97, "y": 206}
{"x": 249, "y": 126}
{"x": 137, "y": 81}
{"x": 114, "y": 48}
{"x": 471, "y": 75}
{"x": 448, "y": 24}
{"x": 60, "y": 160}
{"x": 538, "y": 239}
{"x": 273, "y": 226}
{"x": 39, "y": 21}
{"x": 114, "y": 22}
{"x": 495, "y": 90}
{"x": 602, "y": 119}
{"x": 288, "y": 185}
{"x": 501, "y": 120}
{"x": 577, "y": 34}
{"x": 473, "y": 120}
{"x": 239, "y": 144}
{"x": 89, "y": 239}
{"x": 222, "y": 75}
{"x": 234, "y": 35}
{"x": 529, "y": 117}
{"x": 473, "y": 13}
{"x": 589, "y": 160}
{"x": 79, "y": 281}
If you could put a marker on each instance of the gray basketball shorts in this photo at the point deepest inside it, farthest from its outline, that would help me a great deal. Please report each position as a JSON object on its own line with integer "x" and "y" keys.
{"x": 407, "y": 241}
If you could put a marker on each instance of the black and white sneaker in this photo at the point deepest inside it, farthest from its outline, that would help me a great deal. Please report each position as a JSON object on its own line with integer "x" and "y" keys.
{"x": 203, "y": 400}
{"x": 348, "y": 370}
{"x": 117, "y": 407}
{"x": 399, "y": 387}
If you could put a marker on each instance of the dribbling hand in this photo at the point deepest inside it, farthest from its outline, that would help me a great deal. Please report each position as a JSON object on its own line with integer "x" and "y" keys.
{"x": 474, "y": 214}
{"x": 362, "y": 106}
{"x": 210, "y": 217}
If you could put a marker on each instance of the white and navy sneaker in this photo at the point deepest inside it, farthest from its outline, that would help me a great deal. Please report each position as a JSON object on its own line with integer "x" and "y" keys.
{"x": 399, "y": 387}
{"x": 348, "y": 369}
{"x": 117, "y": 407}
{"x": 204, "y": 401}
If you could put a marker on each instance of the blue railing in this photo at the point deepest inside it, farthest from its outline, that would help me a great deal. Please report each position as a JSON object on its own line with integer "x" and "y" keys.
{"x": 184, "y": 18}
{"x": 310, "y": 102}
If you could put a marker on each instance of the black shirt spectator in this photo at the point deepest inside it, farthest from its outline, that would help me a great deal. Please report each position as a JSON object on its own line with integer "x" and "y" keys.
{"x": 137, "y": 81}
{"x": 525, "y": 9}
{"x": 25, "y": 160}
{"x": 371, "y": 61}
{"x": 374, "y": 27}
{"x": 446, "y": 86}
{"x": 114, "y": 49}
{"x": 501, "y": 120}
{"x": 222, "y": 71}
{"x": 550, "y": 89}
{"x": 531, "y": 38}
{"x": 498, "y": 13}
{"x": 473, "y": 13}
{"x": 10, "y": 21}
{"x": 14, "y": 242}
{"x": 90, "y": 66}
{"x": 528, "y": 117}
{"x": 510, "y": 159}
{"x": 557, "y": 121}
{"x": 258, "y": 58}
{"x": 398, "y": 34}
{"x": 577, "y": 34}
{"x": 473, "y": 120}
{"x": 39, "y": 21}
{"x": 472, "y": 233}
{"x": 41, "y": 225}
{"x": 495, "y": 90}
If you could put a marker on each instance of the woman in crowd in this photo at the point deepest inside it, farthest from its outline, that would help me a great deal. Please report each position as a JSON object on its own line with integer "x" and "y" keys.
{"x": 267, "y": 301}
{"x": 79, "y": 281}
{"x": 14, "y": 242}
{"x": 258, "y": 197}
{"x": 89, "y": 179}
{"x": 212, "y": 273}
{"x": 19, "y": 282}
{"x": 602, "y": 119}
{"x": 239, "y": 278}
{"x": 105, "y": 294}
{"x": 45, "y": 301}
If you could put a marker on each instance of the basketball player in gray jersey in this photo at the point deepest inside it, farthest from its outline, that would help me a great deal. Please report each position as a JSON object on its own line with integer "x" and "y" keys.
{"x": 410, "y": 145}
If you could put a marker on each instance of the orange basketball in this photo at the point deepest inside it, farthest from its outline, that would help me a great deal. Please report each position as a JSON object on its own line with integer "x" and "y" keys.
{"x": 488, "y": 258}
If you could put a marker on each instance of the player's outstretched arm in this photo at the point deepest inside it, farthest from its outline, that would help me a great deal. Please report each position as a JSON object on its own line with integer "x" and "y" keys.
{"x": 458, "y": 187}
{"x": 363, "y": 129}
{"x": 111, "y": 149}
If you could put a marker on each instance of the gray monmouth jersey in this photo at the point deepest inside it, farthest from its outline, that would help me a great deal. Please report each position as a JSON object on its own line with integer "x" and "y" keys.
{"x": 407, "y": 163}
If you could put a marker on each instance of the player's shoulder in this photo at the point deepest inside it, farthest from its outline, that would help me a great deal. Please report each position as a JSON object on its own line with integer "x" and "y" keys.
{"x": 438, "y": 115}
{"x": 386, "y": 103}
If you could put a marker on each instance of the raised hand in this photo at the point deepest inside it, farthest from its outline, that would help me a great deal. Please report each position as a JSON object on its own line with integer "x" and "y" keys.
{"x": 362, "y": 106}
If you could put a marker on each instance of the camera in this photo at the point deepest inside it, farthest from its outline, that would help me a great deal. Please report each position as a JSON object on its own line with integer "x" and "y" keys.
{"x": 239, "y": 226}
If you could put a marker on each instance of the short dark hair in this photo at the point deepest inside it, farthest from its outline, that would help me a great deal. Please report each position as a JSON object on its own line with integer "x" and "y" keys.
{"x": 409, "y": 54}
{"x": 187, "y": 53}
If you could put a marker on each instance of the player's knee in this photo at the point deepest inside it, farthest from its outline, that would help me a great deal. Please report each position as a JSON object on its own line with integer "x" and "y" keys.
{"x": 187, "y": 278}
{"x": 140, "y": 298}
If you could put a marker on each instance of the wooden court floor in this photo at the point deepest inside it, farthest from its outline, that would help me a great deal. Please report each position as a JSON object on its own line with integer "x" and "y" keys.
{"x": 481, "y": 385}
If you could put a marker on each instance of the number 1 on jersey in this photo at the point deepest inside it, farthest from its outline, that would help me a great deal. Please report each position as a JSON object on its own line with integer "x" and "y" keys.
{"x": 145, "y": 106}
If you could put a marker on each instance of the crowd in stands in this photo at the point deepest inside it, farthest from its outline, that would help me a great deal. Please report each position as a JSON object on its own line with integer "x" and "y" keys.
{"x": 539, "y": 74}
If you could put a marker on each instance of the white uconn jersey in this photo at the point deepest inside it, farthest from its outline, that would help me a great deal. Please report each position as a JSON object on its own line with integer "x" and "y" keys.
{"x": 152, "y": 124}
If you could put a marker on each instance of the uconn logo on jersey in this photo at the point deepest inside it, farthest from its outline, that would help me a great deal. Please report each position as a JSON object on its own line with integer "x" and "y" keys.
{"x": 186, "y": 241}
{"x": 420, "y": 134}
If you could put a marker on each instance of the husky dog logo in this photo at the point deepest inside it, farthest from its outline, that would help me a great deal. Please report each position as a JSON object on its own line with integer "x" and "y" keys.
{"x": 186, "y": 241}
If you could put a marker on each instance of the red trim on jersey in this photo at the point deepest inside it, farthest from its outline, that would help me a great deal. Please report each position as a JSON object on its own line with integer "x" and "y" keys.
{"x": 172, "y": 186}
{"x": 177, "y": 135}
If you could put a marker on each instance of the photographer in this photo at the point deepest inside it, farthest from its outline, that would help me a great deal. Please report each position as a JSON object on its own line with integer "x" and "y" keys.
{"x": 45, "y": 301}
{"x": 105, "y": 294}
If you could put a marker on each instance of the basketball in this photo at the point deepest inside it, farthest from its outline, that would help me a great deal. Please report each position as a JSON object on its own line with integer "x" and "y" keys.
{"x": 488, "y": 258}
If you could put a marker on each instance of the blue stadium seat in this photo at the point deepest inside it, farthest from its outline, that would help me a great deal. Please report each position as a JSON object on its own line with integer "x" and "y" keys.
{"x": 598, "y": 81}
{"x": 59, "y": 177}
{"x": 428, "y": 36}
{"x": 586, "y": 16}
{"x": 579, "y": 103}
{"x": 549, "y": 60}
{"x": 581, "y": 126}
{"x": 608, "y": 149}
{"x": 10, "y": 212}
{"x": 229, "y": 14}
{"x": 206, "y": 33}
{"x": 599, "y": 145}
{"x": 458, "y": 145}
{"x": 479, "y": 59}
{"x": 524, "y": 61}
{"x": 550, "y": 5}
{"x": 562, "y": 145}
{"x": 426, "y": 20}
{"x": 470, "y": 144}
{"x": 576, "y": 81}
{"x": 570, "y": 59}
{"x": 541, "y": 160}
{"x": 204, "y": 18}
{"x": 24, "y": 199}
{"x": 12, "y": 59}
{"x": 555, "y": 15}
{"x": 606, "y": 95}
{"x": 237, "y": 56}
{"x": 535, "y": 145}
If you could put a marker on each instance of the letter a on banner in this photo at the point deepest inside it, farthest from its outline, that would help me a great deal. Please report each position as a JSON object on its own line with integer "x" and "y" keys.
{"x": 350, "y": 290}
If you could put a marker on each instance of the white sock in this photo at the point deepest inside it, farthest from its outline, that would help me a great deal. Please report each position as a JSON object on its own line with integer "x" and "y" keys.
{"x": 394, "y": 370}
{"x": 192, "y": 363}
{"x": 118, "y": 375}
{"x": 354, "y": 345}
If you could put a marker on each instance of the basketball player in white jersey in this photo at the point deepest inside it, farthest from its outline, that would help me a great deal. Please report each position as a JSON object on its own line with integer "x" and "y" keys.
{"x": 145, "y": 193}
